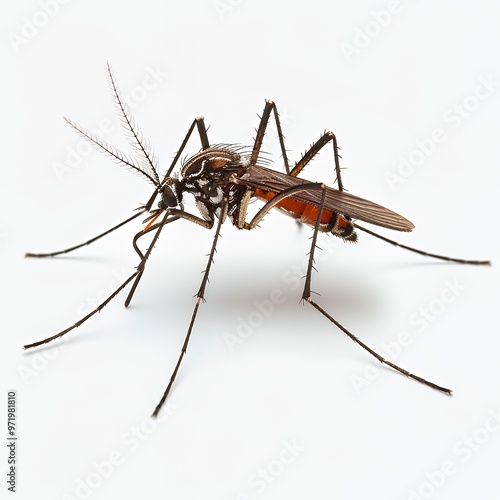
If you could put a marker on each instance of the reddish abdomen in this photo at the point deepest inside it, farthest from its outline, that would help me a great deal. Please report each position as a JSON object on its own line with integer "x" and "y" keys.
{"x": 307, "y": 214}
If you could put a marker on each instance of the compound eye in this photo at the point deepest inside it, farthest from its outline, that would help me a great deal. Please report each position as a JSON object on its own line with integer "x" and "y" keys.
{"x": 169, "y": 195}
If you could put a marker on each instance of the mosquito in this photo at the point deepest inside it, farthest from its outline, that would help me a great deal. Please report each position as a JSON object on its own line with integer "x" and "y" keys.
{"x": 224, "y": 179}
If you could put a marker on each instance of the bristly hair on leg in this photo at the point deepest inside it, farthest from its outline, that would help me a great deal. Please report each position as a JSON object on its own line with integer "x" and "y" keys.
{"x": 145, "y": 154}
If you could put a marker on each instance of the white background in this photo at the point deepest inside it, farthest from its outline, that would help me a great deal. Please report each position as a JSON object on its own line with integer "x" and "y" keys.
{"x": 295, "y": 379}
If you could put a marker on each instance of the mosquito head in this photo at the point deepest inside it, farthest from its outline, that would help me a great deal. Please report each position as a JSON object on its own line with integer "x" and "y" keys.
{"x": 171, "y": 194}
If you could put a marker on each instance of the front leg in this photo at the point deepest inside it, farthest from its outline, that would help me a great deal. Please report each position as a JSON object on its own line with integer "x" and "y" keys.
{"x": 170, "y": 215}
{"x": 199, "y": 123}
{"x": 200, "y": 296}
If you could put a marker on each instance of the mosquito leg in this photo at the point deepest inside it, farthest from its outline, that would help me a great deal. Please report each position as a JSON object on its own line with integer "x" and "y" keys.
{"x": 199, "y": 297}
{"x": 287, "y": 193}
{"x": 152, "y": 228}
{"x": 421, "y": 252}
{"x": 174, "y": 214}
{"x": 67, "y": 250}
{"x": 79, "y": 322}
{"x": 199, "y": 123}
{"x": 306, "y": 295}
{"x": 259, "y": 138}
{"x": 314, "y": 150}
{"x": 104, "y": 303}
{"x": 308, "y": 156}
{"x": 310, "y": 266}
{"x": 140, "y": 267}
{"x": 376, "y": 355}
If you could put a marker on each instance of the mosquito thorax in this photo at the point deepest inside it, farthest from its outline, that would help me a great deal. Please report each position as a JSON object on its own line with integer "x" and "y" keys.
{"x": 209, "y": 161}
{"x": 208, "y": 176}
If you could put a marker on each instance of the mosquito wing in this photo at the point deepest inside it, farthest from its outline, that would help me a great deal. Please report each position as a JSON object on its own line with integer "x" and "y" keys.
{"x": 335, "y": 201}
